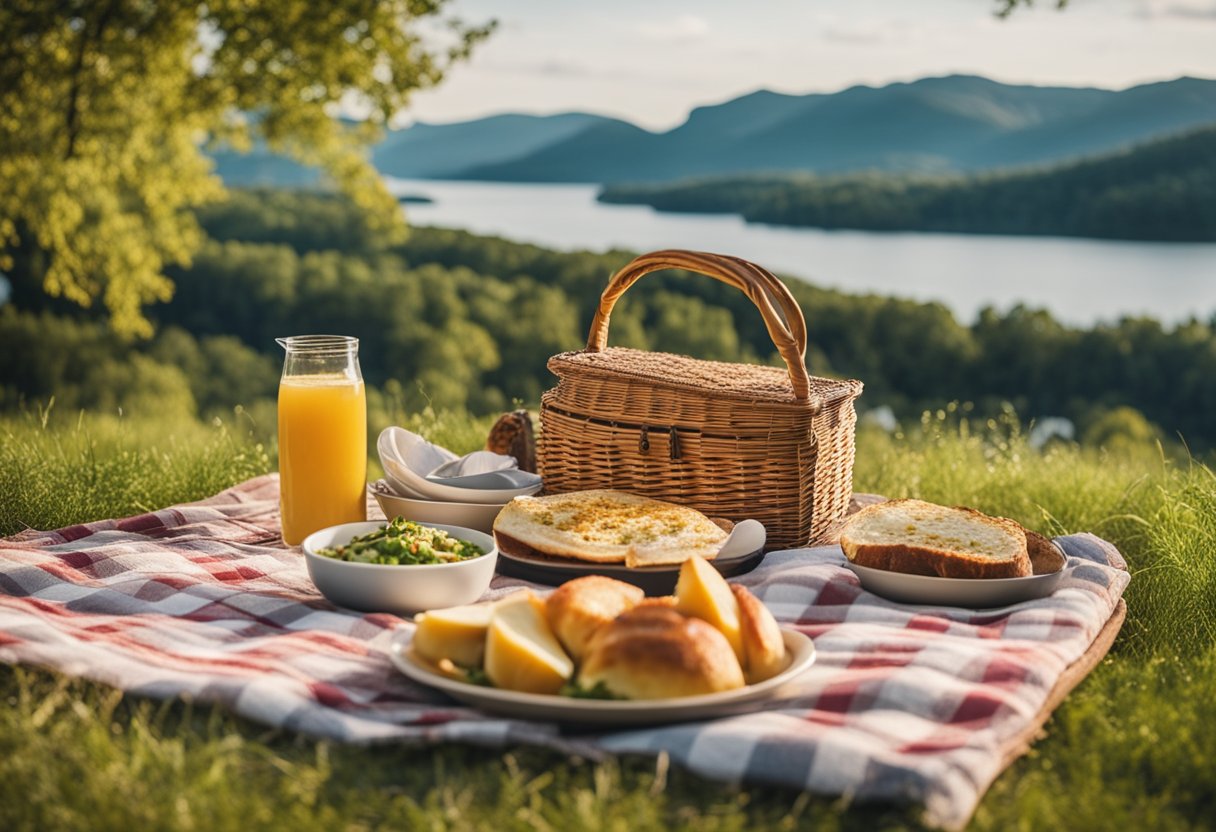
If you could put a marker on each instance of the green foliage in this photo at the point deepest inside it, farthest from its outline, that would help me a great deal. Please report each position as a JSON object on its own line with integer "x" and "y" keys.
{"x": 102, "y": 106}
{"x": 1163, "y": 190}
{"x": 82, "y": 364}
{"x": 1120, "y": 427}
{"x": 455, "y": 321}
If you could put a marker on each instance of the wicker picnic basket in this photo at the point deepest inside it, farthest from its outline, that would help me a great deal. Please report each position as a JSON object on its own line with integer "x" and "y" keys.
{"x": 730, "y": 440}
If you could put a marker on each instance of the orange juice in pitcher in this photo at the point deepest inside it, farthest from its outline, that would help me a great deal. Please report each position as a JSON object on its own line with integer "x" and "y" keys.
{"x": 322, "y": 435}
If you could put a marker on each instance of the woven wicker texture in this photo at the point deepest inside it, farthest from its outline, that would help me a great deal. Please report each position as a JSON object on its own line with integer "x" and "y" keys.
{"x": 731, "y": 440}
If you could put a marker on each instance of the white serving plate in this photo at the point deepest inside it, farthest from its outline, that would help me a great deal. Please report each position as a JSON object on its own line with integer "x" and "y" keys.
{"x": 954, "y": 592}
{"x": 601, "y": 711}
{"x": 403, "y": 590}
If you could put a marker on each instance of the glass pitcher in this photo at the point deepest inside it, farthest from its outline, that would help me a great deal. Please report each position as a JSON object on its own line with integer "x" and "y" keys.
{"x": 322, "y": 435}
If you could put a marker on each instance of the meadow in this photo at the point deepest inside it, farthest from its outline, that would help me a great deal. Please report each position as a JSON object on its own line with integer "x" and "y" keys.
{"x": 1132, "y": 747}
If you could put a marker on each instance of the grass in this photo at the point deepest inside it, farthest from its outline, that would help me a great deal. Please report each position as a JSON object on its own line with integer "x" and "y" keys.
{"x": 1133, "y": 747}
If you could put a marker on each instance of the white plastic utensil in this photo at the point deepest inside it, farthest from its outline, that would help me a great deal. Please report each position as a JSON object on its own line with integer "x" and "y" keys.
{"x": 745, "y": 538}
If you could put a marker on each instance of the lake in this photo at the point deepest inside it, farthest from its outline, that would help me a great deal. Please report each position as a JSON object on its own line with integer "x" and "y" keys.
{"x": 1078, "y": 281}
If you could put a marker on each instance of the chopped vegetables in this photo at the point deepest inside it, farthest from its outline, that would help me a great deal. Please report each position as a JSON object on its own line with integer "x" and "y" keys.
{"x": 404, "y": 543}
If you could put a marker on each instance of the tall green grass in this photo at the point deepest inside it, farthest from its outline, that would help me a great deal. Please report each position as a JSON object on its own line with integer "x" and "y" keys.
{"x": 57, "y": 469}
{"x": 1132, "y": 747}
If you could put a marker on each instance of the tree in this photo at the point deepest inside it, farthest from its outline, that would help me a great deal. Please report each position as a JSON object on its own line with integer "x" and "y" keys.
{"x": 105, "y": 106}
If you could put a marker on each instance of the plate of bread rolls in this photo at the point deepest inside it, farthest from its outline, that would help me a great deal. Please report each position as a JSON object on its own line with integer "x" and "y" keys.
{"x": 596, "y": 651}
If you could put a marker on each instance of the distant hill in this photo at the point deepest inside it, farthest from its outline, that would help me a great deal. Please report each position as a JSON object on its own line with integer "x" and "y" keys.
{"x": 262, "y": 168}
{"x": 423, "y": 151}
{"x": 954, "y": 123}
{"x": 1162, "y": 190}
{"x": 437, "y": 151}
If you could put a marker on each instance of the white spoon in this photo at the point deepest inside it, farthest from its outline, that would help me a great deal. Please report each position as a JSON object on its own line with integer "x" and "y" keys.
{"x": 746, "y": 537}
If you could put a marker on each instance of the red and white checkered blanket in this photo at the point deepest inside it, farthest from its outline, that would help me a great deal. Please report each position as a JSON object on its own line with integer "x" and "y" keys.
{"x": 202, "y": 601}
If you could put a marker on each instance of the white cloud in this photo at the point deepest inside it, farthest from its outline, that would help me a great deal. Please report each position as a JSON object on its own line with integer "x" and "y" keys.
{"x": 682, "y": 29}
{"x": 1184, "y": 9}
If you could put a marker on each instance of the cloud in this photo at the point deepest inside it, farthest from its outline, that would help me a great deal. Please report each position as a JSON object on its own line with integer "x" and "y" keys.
{"x": 1178, "y": 9}
{"x": 866, "y": 30}
{"x": 549, "y": 67}
{"x": 683, "y": 29}
{"x": 557, "y": 67}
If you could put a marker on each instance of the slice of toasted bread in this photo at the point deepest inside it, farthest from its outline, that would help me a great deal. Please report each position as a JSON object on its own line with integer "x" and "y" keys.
{"x": 920, "y": 538}
{"x": 604, "y": 526}
{"x": 1045, "y": 556}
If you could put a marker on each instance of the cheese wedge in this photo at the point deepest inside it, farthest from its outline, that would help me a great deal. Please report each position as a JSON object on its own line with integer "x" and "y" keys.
{"x": 762, "y": 639}
{"x": 521, "y": 651}
{"x": 702, "y": 592}
{"x": 455, "y": 633}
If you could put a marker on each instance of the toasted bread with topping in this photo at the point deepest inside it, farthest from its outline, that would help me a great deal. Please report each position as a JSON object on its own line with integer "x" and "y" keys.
{"x": 606, "y": 527}
{"x": 920, "y": 538}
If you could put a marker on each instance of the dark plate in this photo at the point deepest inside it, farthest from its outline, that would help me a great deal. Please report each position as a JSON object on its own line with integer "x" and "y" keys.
{"x": 654, "y": 580}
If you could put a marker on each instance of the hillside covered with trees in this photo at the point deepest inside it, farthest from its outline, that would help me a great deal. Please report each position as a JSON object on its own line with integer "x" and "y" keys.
{"x": 1164, "y": 190}
{"x": 458, "y": 320}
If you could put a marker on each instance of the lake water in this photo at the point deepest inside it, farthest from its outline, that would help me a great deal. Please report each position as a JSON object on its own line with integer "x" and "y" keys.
{"x": 1079, "y": 281}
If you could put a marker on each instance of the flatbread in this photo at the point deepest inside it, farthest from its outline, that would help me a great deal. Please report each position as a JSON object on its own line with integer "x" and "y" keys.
{"x": 609, "y": 527}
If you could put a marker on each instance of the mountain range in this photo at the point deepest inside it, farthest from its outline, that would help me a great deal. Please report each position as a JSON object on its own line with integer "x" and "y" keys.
{"x": 1163, "y": 189}
{"x": 953, "y": 123}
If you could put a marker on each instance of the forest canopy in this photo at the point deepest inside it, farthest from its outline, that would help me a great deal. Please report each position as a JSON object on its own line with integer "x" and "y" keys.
{"x": 457, "y": 320}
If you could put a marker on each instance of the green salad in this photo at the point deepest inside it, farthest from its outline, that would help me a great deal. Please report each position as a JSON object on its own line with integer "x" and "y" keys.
{"x": 404, "y": 543}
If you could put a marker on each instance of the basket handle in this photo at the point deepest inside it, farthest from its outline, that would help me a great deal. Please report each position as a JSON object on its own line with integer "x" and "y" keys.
{"x": 787, "y": 328}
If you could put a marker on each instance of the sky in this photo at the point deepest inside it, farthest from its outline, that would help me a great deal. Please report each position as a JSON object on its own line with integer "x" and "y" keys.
{"x": 652, "y": 62}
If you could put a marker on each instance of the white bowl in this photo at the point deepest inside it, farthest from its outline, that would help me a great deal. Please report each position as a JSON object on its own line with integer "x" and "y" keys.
{"x": 469, "y": 515}
{"x": 377, "y": 587}
{"x": 409, "y": 482}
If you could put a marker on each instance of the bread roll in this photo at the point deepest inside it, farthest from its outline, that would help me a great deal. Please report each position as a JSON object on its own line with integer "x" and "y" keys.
{"x": 763, "y": 644}
{"x": 921, "y": 538}
{"x": 668, "y": 601}
{"x": 654, "y": 652}
{"x": 578, "y": 608}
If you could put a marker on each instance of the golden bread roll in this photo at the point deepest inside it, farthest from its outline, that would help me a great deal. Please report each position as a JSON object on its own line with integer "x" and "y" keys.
{"x": 763, "y": 644}
{"x": 578, "y": 608}
{"x": 668, "y": 601}
{"x": 654, "y": 652}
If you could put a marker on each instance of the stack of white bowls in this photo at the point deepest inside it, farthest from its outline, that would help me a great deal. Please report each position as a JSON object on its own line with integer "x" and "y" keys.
{"x": 430, "y": 484}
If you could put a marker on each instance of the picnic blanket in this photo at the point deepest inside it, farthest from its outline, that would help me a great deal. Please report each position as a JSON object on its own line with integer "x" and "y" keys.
{"x": 202, "y": 601}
